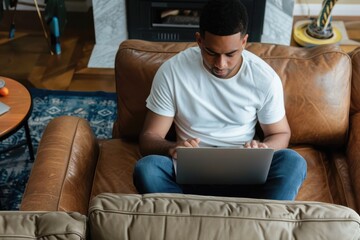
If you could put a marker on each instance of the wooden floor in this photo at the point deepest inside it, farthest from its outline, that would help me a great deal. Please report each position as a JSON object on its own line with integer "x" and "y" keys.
{"x": 26, "y": 58}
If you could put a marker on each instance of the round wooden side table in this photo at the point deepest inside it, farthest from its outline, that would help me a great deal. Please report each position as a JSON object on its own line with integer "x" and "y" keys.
{"x": 20, "y": 102}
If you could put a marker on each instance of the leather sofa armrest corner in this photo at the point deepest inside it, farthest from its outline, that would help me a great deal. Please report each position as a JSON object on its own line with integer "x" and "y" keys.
{"x": 62, "y": 175}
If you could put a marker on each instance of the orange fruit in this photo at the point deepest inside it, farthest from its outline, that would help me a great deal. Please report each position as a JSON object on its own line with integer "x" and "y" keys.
{"x": 4, "y": 91}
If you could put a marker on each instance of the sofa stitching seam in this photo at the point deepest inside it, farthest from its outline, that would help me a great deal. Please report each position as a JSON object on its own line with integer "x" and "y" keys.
{"x": 68, "y": 163}
{"x": 342, "y": 182}
{"x": 96, "y": 172}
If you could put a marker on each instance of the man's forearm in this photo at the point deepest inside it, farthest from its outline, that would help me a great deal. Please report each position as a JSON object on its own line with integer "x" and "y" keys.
{"x": 277, "y": 141}
{"x": 154, "y": 144}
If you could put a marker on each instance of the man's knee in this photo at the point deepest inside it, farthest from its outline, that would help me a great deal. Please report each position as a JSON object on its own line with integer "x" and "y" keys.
{"x": 288, "y": 174}
{"x": 144, "y": 172}
{"x": 292, "y": 160}
{"x": 146, "y": 166}
{"x": 291, "y": 166}
{"x": 154, "y": 173}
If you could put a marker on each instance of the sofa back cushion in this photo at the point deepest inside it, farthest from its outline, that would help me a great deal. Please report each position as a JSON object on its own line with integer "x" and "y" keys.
{"x": 42, "y": 225}
{"x": 177, "y": 216}
{"x": 317, "y": 84}
{"x": 135, "y": 66}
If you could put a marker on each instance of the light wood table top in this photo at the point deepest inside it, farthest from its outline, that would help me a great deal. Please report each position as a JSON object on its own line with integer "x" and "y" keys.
{"x": 20, "y": 102}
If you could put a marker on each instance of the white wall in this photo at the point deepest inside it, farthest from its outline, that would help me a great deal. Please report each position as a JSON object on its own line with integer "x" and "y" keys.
{"x": 341, "y": 8}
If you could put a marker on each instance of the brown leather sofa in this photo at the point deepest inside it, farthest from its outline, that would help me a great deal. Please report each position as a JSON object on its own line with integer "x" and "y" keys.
{"x": 322, "y": 97}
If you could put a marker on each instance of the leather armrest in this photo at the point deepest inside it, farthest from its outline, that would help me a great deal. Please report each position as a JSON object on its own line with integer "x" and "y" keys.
{"x": 353, "y": 154}
{"x": 62, "y": 174}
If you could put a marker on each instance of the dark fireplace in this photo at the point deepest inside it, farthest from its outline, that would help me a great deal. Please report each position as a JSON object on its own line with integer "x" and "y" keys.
{"x": 178, "y": 20}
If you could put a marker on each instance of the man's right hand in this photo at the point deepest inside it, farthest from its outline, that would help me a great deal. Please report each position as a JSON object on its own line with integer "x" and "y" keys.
{"x": 190, "y": 143}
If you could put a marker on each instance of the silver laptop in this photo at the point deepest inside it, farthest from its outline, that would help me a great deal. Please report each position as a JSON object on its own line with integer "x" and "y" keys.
{"x": 223, "y": 165}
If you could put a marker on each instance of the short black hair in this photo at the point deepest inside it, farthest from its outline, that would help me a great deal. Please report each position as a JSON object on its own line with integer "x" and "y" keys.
{"x": 223, "y": 18}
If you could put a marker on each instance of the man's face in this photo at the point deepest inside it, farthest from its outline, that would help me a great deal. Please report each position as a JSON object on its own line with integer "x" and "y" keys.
{"x": 222, "y": 54}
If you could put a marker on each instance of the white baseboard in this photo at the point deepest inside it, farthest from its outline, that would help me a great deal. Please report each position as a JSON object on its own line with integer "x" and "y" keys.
{"x": 71, "y": 6}
{"x": 303, "y": 9}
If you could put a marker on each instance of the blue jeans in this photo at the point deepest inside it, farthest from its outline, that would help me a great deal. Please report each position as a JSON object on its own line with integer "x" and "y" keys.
{"x": 155, "y": 174}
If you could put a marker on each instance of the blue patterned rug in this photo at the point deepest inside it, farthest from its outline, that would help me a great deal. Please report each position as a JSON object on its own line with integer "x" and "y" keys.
{"x": 99, "y": 108}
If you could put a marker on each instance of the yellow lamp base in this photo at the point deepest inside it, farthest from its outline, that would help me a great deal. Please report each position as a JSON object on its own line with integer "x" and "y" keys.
{"x": 304, "y": 39}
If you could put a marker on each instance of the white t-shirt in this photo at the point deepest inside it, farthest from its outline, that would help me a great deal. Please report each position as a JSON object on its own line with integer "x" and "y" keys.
{"x": 221, "y": 112}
